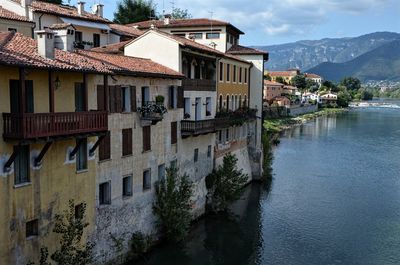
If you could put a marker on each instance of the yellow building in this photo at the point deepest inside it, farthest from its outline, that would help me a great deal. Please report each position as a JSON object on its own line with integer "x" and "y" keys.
{"x": 287, "y": 76}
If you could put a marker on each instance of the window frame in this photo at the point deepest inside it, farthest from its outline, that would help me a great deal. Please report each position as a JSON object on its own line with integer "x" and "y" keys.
{"x": 22, "y": 160}
{"x": 127, "y": 186}
{"x": 82, "y": 165}
{"x": 213, "y": 34}
{"x": 106, "y": 192}
{"x": 146, "y": 182}
{"x": 32, "y": 228}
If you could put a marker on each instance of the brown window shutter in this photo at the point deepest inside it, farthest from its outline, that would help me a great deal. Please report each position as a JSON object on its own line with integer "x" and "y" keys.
{"x": 112, "y": 98}
{"x": 174, "y": 132}
{"x": 133, "y": 98}
{"x": 181, "y": 97}
{"x": 100, "y": 98}
{"x": 126, "y": 142}
{"x": 104, "y": 148}
{"x": 118, "y": 99}
{"x": 146, "y": 138}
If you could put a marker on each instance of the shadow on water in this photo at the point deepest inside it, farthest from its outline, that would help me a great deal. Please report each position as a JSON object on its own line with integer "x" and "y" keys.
{"x": 221, "y": 239}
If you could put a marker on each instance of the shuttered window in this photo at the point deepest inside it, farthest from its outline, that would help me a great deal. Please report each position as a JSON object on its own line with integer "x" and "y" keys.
{"x": 146, "y": 138}
{"x": 181, "y": 97}
{"x": 100, "y": 98}
{"x": 15, "y": 97}
{"x": 126, "y": 142}
{"x": 104, "y": 148}
{"x": 133, "y": 98}
{"x": 174, "y": 132}
{"x": 81, "y": 155}
{"x": 21, "y": 164}
{"x": 127, "y": 186}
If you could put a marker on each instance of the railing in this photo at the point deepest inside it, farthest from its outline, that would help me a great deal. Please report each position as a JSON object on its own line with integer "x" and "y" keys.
{"x": 199, "y": 85}
{"x": 197, "y": 127}
{"x": 152, "y": 110}
{"x": 39, "y": 125}
{"x": 226, "y": 119}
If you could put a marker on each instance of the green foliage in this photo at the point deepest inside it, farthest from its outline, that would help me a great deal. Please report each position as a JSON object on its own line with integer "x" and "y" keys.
{"x": 178, "y": 13}
{"x": 267, "y": 77}
{"x": 139, "y": 244}
{"x": 131, "y": 11}
{"x": 225, "y": 183}
{"x": 268, "y": 156}
{"x": 58, "y": 2}
{"x": 351, "y": 83}
{"x": 311, "y": 85}
{"x": 343, "y": 99}
{"x": 280, "y": 79}
{"x": 159, "y": 99}
{"x": 173, "y": 204}
{"x": 299, "y": 81}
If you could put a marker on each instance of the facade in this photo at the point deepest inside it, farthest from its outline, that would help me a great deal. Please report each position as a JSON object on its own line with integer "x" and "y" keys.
{"x": 272, "y": 90}
{"x": 287, "y": 76}
{"x": 281, "y": 101}
{"x": 316, "y": 78}
{"x": 10, "y": 21}
{"x": 328, "y": 99}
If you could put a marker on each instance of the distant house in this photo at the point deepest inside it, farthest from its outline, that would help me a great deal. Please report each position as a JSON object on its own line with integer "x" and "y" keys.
{"x": 272, "y": 89}
{"x": 316, "y": 78}
{"x": 328, "y": 99}
{"x": 287, "y": 76}
{"x": 311, "y": 96}
{"x": 292, "y": 90}
{"x": 281, "y": 101}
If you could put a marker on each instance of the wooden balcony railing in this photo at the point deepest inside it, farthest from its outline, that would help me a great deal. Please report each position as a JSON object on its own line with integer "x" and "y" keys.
{"x": 199, "y": 85}
{"x": 189, "y": 128}
{"x": 30, "y": 126}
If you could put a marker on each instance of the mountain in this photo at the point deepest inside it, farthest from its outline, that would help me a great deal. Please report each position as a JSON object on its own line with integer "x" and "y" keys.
{"x": 382, "y": 63}
{"x": 307, "y": 54}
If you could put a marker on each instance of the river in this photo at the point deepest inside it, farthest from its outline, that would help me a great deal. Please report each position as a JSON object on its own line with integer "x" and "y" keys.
{"x": 334, "y": 199}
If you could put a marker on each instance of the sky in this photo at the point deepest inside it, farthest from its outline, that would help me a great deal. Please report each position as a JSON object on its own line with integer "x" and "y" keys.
{"x": 268, "y": 22}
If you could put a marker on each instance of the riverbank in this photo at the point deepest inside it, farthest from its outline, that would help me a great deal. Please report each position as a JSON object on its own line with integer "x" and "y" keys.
{"x": 275, "y": 126}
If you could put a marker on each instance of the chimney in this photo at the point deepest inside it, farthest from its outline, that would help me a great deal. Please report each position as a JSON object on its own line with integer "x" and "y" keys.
{"x": 26, "y": 3}
{"x": 98, "y": 10}
{"x": 167, "y": 19}
{"x": 81, "y": 7}
{"x": 45, "y": 40}
{"x": 64, "y": 38}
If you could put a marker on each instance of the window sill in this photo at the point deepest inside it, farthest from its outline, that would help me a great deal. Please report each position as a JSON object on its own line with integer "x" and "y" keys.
{"x": 104, "y": 161}
{"x": 17, "y": 186}
{"x": 82, "y": 171}
{"x": 147, "y": 151}
{"x": 126, "y": 156}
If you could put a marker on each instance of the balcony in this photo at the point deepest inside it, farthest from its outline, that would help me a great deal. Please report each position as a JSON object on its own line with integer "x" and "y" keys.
{"x": 194, "y": 128}
{"x": 152, "y": 112}
{"x": 199, "y": 85}
{"x": 31, "y": 126}
{"x": 226, "y": 119}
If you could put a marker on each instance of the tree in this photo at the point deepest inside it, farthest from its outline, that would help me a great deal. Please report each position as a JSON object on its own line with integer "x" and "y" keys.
{"x": 58, "y": 2}
{"x": 178, "y": 13}
{"x": 351, "y": 83}
{"x": 226, "y": 183}
{"x": 131, "y": 11}
{"x": 173, "y": 204}
{"x": 280, "y": 79}
{"x": 343, "y": 99}
{"x": 299, "y": 81}
{"x": 311, "y": 85}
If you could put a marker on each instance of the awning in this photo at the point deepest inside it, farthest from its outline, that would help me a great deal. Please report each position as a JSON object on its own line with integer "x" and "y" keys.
{"x": 84, "y": 23}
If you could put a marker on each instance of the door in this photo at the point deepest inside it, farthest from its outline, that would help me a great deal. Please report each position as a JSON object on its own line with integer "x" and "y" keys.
{"x": 198, "y": 109}
{"x": 79, "y": 97}
{"x": 15, "y": 97}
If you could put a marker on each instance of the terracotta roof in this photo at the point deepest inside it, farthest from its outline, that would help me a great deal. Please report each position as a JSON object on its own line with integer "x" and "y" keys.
{"x": 65, "y": 11}
{"x": 180, "y": 23}
{"x": 19, "y": 50}
{"x": 125, "y": 30}
{"x": 6, "y": 14}
{"x": 280, "y": 98}
{"x": 272, "y": 83}
{"x": 311, "y": 75}
{"x": 238, "y": 49}
{"x": 282, "y": 73}
{"x": 61, "y": 26}
{"x": 115, "y": 48}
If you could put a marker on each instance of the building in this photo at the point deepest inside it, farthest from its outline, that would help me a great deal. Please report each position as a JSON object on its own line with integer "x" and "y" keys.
{"x": 328, "y": 99}
{"x": 316, "y": 78}
{"x": 287, "y": 76}
{"x": 91, "y": 28}
{"x": 272, "y": 89}
{"x": 10, "y": 21}
{"x": 281, "y": 101}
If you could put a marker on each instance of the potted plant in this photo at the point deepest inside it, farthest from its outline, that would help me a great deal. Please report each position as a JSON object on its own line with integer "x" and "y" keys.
{"x": 159, "y": 100}
{"x": 186, "y": 116}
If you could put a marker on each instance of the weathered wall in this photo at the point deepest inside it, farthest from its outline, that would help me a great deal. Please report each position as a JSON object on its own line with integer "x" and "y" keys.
{"x": 296, "y": 111}
{"x": 21, "y": 27}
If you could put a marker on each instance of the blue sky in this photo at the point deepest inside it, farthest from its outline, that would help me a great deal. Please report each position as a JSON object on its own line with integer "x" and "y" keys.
{"x": 267, "y": 22}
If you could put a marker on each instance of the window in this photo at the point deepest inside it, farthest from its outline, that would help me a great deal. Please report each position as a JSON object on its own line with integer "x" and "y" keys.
{"x": 174, "y": 164}
{"x": 105, "y": 193}
{"x": 240, "y": 74}
{"x": 32, "y": 228}
{"x": 81, "y": 155}
{"x": 104, "y": 148}
{"x": 220, "y": 103}
{"x": 147, "y": 179}
{"x": 96, "y": 40}
{"x": 146, "y": 138}
{"x": 126, "y": 99}
{"x": 161, "y": 172}
{"x": 12, "y": 29}
{"x": 196, "y": 155}
{"x": 127, "y": 186}
{"x": 145, "y": 95}
{"x": 209, "y": 151}
{"x": 174, "y": 132}
{"x": 221, "y": 71}
{"x": 21, "y": 164}
{"x": 187, "y": 108}
{"x": 227, "y": 135}
{"x": 213, "y": 35}
{"x": 228, "y": 72}
{"x": 172, "y": 97}
{"x": 245, "y": 75}
{"x": 79, "y": 211}
{"x": 234, "y": 73}
{"x": 195, "y": 36}
{"x": 78, "y": 40}
{"x": 126, "y": 142}
{"x": 227, "y": 102}
{"x": 208, "y": 106}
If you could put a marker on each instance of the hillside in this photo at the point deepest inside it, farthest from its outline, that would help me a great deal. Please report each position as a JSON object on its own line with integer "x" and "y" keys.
{"x": 382, "y": 63}
{"x": 307, "y": 54}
